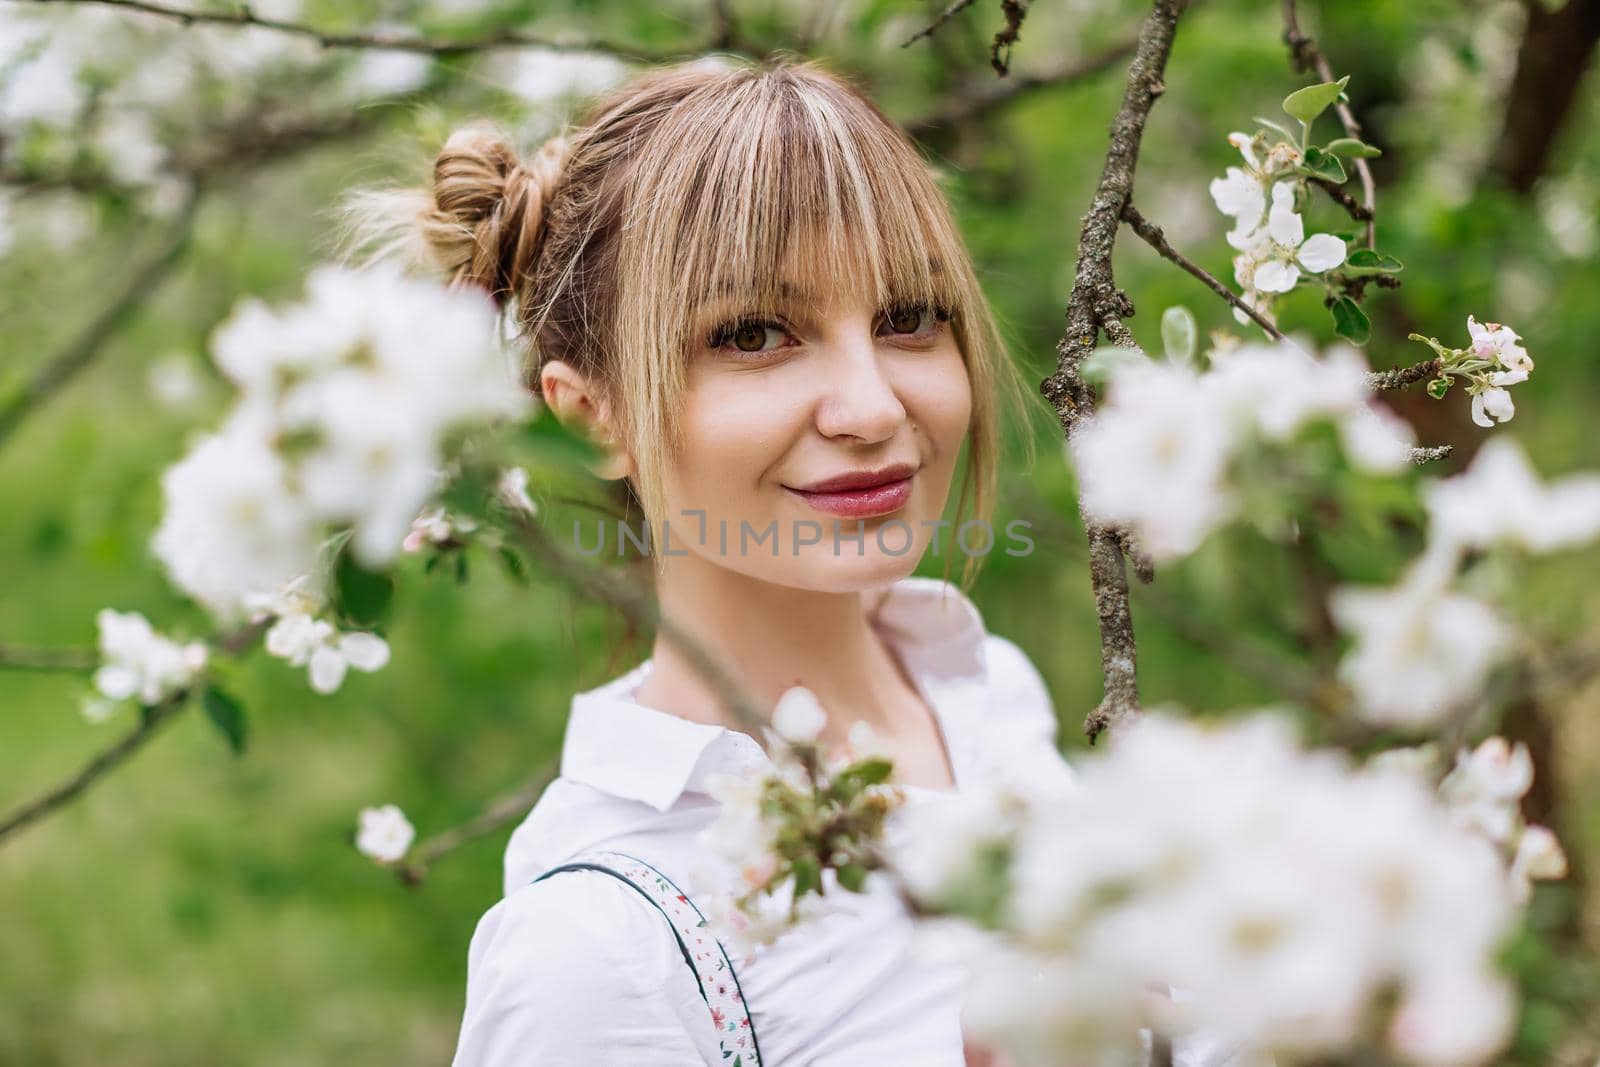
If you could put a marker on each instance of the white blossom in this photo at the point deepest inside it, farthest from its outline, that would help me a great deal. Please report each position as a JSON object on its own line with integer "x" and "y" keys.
{"x": 1500, "y": 499}
{"x": 512, "y": 490}
{"x": 1492, "y": 405}
{"x": 798, "y": 717}
{"x": 302, "y": 639}
{"x": 1420, "y": 651}
{"x": 139, "y": 663}
{"x": 384, "y": 833}
{"x": 1283, "y": 892}
{"x": 1485, "y": 786}
{"x": 1281, "y": 250}
{"x": 1155, "y": 457}
{"x": 1500, "y": 343}
{"x": 231, "y": 526}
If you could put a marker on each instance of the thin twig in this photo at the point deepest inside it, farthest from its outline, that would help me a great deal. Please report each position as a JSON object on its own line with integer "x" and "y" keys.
{"x": 1156, "y": 239}
{"x": 984, "y": 97}
{"x": 1096, "y": 304}
{"x": 954, "y": 8}
{"x": 1430, "y": 453}
{"x": 23, "y": 658}
{"x": 1303, "y": 50}
{"x": 1400, "y": 377}
{"x": 507, "y": 809}
{"x": 382, "y": 40}
{"x": 1355, "y": 208}
{"x": 1000, "y": 51}
{"x": 72, "y": 360}
{"x": 150, "y": 721}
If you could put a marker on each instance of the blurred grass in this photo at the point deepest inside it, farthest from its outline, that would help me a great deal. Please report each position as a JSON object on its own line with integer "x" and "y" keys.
{"x": 195, "y": 908}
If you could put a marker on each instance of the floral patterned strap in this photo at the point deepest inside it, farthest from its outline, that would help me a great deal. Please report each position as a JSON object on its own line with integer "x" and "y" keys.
{"x": 712, "y": 969}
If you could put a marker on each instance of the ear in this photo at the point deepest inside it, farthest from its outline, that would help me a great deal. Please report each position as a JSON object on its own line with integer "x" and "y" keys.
{"x": 572, "y": 399}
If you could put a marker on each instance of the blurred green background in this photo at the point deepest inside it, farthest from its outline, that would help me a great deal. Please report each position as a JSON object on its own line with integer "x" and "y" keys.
{"x": 198, "y": 908}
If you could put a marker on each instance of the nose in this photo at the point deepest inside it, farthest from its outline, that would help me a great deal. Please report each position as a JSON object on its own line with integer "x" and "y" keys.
{"x": 858, "y": 397}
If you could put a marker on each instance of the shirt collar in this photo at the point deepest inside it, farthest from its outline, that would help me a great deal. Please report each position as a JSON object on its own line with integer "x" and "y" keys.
{"x": 624, "y": 748}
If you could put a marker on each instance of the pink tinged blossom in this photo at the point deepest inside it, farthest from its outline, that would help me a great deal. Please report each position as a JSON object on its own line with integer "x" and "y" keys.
{"x": 1498, "y": 343}
{"x": 1485, "y": 786}
{"x": 384, "y": 833}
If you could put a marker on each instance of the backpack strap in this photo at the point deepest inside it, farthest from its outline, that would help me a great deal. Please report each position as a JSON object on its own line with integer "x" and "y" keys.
{"x": 708, "y": 961}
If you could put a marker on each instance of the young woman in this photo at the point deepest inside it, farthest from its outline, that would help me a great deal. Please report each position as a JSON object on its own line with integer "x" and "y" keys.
{"x": 744, "y": 282}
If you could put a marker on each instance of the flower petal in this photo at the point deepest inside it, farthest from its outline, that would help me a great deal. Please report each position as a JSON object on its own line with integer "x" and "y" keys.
{"x": 327, "y": 670}
{"x": 1322, "y": 251}
{"x": 364, "y": 652}
{"x": 1275, "y": 276}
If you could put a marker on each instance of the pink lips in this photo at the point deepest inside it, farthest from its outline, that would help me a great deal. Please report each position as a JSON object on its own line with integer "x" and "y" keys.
{"x": 861, "y": 494}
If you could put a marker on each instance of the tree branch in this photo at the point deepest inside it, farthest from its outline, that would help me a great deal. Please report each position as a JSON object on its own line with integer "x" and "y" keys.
{"x": 1303, "y": 51}
{"x": 507, "y": 809}
{"x": 1400, "y": 377}
{"x": 951, "y": 10}
{"x": 22, "y": 658}
{"x": 72, "y": 360}
{"x": 503, "y": 38}
{"x": 982, "y": 98}
{"x": 151, "y": 720}
{"x": 1000, "y": 51}
{"x": 1557, "y": 49}
{"x": 1156, "y": 239}
{"x": 1096, "y": 304}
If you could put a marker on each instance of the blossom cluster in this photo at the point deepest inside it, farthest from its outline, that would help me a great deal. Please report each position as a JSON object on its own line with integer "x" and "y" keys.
{"x": 299, "y": 636}
{"x": 1278, "y": 896}
{"x": 797, "y": 829}
{"x": 1483, "y": 793}
{"x": 1160, "y": 454}
{"x": 1264, "y": 198}
{"x": 139, "y": 663}
{"x": 1422, "y": 649}
{"x": 349, "y": 403}
{"x": 1493, "y": 360}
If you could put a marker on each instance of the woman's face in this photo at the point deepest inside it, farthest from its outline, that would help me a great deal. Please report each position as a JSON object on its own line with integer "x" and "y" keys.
{"x": 777, "y": 404}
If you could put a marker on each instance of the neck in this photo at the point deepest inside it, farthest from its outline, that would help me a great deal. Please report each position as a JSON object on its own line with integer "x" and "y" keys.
{"x": 770, "y": 637}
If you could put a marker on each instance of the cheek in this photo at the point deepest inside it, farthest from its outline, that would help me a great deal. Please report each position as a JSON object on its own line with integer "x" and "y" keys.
{"x": 938, "y": 397}
{"x": 735, "y": 427}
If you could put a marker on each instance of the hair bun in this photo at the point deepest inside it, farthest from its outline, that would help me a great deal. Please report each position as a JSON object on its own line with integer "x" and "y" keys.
{"x": 489, "y": 217}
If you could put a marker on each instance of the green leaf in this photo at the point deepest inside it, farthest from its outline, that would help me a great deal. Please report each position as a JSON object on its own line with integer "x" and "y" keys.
{"x": 228, "y": 716}
{"x": 1350, "y": 148}
{"x": 1350, "y": 322}
{"x": 1104, "y": 362}
{"x": 1179, "y": 334}
{"x": 1438, "y": 388}
{"x": 1306, "y": 104}
{"x": 853, "y": 876}
{"x": 363, "y": 596}
{"x": 873, "y": 771}
{"x": 1325, "y": 166}
{"x": 461, "y": 567}
{"x": 514, "y": 565}
{"x": 807, "y": 876}
{"x": 1366, "y": 259}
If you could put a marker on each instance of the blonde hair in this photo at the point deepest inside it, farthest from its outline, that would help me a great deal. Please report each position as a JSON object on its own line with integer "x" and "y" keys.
{"x": 711, "y": 174}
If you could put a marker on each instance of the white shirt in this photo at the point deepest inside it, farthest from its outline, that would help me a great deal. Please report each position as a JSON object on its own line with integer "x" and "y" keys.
{"x": 579, "y": 970}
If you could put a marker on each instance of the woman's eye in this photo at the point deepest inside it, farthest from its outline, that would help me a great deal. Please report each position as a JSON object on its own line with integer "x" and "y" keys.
{"x": 751, "y": 336}
{"x": 914, "y": 318}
